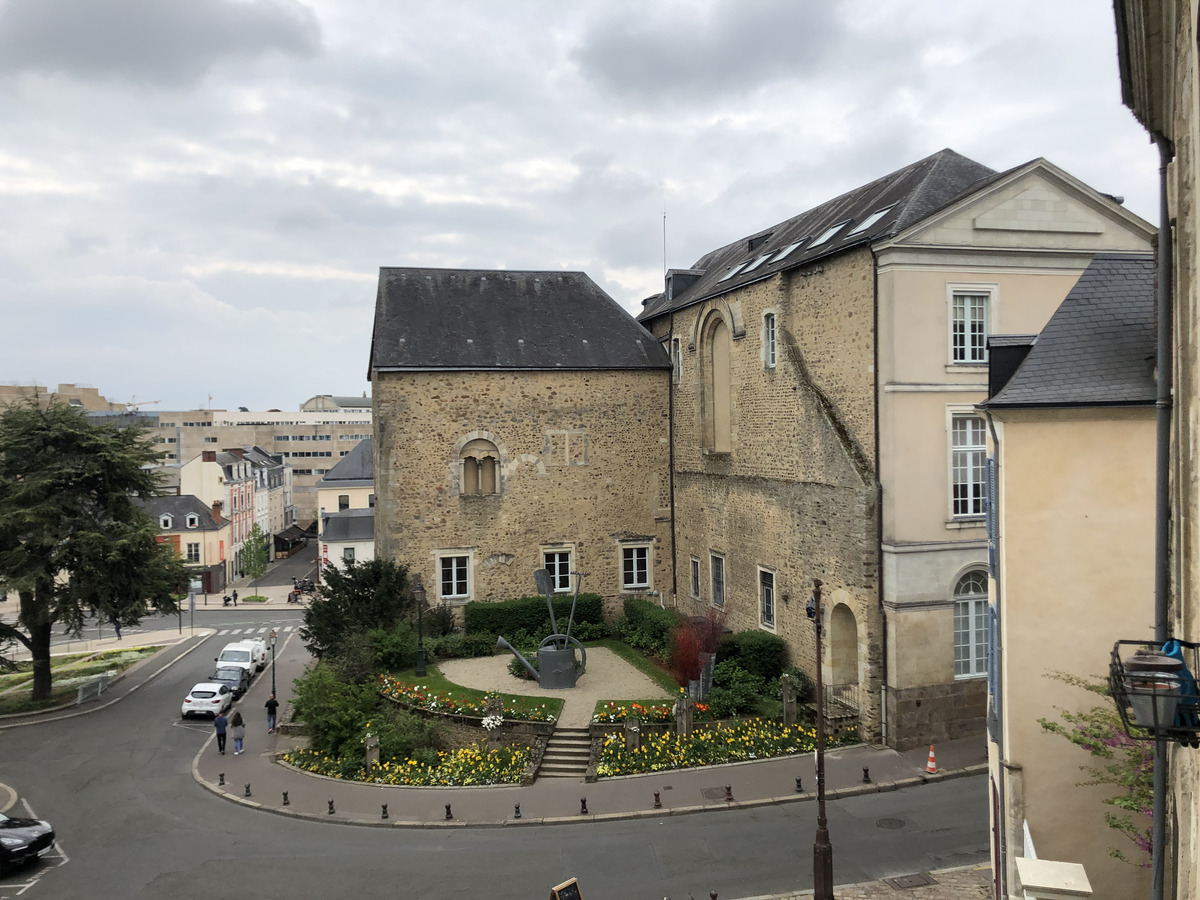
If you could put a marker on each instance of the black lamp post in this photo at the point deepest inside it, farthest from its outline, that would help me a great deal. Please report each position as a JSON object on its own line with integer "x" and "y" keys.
{"x": 822, "y": 849}
{"x": 419, "y": 596}
{"x": 271, "y": 638}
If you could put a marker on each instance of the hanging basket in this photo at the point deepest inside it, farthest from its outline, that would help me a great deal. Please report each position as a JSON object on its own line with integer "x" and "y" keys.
{"x": 1154, "y": 687}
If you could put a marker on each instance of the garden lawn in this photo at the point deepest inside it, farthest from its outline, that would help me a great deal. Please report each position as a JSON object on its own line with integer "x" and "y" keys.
{"x": 435, "y": 693}
{"x": 69, "y": 672}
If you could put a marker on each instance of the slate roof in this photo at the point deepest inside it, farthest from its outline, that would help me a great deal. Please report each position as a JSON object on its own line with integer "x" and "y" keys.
{"x": 908, "y": 196}
{"x": 456, "y": 319}
{"x": 1098, "y": 348}
{"x": 179, "y": 508}
{"x": 349, "y": 525}
{"x": 352, "y": 402}
{"x": 355, "y": 469}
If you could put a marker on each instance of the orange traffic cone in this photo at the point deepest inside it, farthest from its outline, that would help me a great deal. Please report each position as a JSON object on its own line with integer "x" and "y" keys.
{"x": 931, "y": 766}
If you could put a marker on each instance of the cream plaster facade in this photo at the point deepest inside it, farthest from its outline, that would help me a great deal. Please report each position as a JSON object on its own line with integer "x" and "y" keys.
{"x": 1074, "y": 571}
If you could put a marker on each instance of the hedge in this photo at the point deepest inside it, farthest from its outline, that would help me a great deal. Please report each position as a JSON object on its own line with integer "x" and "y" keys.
{"x": 647, "y": 626}
{"x": 758, "y": 652}
{"x": 529, "y": 614}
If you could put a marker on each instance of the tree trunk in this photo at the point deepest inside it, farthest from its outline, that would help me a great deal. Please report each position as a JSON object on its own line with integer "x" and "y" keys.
{"x": 36, "y": 618}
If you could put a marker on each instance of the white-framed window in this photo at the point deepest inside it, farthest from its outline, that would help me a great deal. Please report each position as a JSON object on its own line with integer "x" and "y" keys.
{"x": 454, "y": 576}
{"x": 695, "y": 577}
{"x": 164, "y": 521}
{"x": 558, "y": 564}
{"x": 716, "y": 570}
{"x": 193, "y": 521}
{"x": 768, "y": 340}
{"x": 193, "y": 553}
{"x": 970, "y": 625}
{"x": 766, "y": 597}
{"x": 635, "y": 567}
{"x": 970, "y": 310}
{"x": 348, "y": 554}
{"x": 968, "y": 466}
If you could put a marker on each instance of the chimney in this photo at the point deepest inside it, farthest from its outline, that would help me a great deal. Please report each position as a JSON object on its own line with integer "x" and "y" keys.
{"x": 239, "y": 452}
{"x": 216, "y": 511}
{"x": 208, "y": 455}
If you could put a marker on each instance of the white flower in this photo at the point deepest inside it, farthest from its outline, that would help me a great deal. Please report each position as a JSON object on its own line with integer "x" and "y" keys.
{"x": 491, "y": 722}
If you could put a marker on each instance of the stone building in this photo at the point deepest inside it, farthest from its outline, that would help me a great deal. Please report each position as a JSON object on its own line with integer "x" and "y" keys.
{"x": 521, "y": 422}
{"x": 826, "y": 374}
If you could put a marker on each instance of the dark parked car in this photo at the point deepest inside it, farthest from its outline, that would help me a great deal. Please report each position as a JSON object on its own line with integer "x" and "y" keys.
{"x": 23, "y": 840}
{"x": 237, "y": 678}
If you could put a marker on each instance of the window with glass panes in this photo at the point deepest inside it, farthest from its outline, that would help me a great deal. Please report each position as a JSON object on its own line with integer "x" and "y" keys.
{"x": 766, "y": 597}
{"x": 695, "y": 577}
{"x": 635, "y": 567}
{"x": 968, "y": 465}
{"x": 193, "y": 553}
{"x": 970, "y": 625}
{"x": 717, "y": 571}
{"x": 454, "y": 577}
{"x": 558, "y": 564}
{"x": 968, "y": 331}
{"x": 769, "y": 340}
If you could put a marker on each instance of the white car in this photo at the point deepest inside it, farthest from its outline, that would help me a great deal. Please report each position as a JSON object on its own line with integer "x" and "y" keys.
{"x": 206, "y": 699}
{"x": 239, "y": 654}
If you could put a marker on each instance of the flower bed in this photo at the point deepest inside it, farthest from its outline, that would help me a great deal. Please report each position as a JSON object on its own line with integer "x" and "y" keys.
{"x": 466, "y": 766}
{"x": 420, "y": 697}
{"x": 656, "y": 713}
{"x": 724, "y": 743}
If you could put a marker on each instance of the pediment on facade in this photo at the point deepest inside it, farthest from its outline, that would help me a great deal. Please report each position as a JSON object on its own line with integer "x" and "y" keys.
{"x": 1037, "y": 206}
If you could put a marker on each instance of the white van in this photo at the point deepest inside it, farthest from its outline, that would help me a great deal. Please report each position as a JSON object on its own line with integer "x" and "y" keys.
{"x": 258, "y": 647}
{"x": 239, "y": 654}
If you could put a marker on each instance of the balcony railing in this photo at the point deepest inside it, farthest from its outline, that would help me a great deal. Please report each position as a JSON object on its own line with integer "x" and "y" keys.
{"x": 842, "y": 700}
{"x": 1154, "y": 687}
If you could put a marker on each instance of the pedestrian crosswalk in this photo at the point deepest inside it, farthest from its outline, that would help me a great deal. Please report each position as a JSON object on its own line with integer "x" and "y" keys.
{"x": 281, "y": 629}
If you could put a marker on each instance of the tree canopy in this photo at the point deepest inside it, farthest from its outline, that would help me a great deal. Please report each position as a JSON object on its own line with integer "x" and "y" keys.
{"x": 73, "y": 533}
{"x": 366, "y": 595}
{"x": 254, "y": 553}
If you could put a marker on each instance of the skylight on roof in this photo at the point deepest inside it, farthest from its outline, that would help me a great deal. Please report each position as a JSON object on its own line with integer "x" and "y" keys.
{"x": 871, "y": 220}
{"x": 754, "y": 264}
{"x": 787, "y": 251}
{"x": 828, "y": 233}
{"x": 731, "y": 273}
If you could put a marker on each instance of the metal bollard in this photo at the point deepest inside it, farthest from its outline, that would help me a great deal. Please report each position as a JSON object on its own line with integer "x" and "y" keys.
{"x": 221, "y": 776}
{"x": 728, "y": 793}
{"x": 516, "y": 810}
{"x": 799, "y": 785}
{"x": 331, "y": 807}
{"x": 286, "y": 801}
{"x": 247, "y": 794}
{"x": 449, "y": 815}
{"x": 383, "y": 815}
{"x": 866, "y": 775}
{"x": 712, "y": 895}
{"x": 657, "y": 801}
{"x": 583, "y": 806}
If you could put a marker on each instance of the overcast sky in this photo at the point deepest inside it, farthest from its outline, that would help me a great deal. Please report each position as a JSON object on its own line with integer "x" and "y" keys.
{"x": 196, "y": 195}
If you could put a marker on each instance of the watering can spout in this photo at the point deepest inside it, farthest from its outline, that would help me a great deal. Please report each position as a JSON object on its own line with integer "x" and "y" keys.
{"x": 502, "y": 643}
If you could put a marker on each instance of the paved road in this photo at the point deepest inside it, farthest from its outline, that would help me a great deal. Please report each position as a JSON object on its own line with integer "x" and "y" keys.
{"x": 132, "y": 823}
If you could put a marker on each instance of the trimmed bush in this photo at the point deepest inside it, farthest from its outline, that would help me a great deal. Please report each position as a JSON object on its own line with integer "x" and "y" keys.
{"x": 758, "y": 652}
{"x": 460, "y": 646}
{"x": 647, "y": 626}
{"x": 529, "y": 614}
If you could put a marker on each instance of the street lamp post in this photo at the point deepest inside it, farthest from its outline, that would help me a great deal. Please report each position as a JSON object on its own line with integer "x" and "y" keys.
{"x": 271, "y": 638}
{"x": 419, "y": 596}
{"x": 822, "y": 849}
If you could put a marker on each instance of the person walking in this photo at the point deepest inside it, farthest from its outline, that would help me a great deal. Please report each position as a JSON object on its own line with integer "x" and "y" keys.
{"x": 272, "y": 706}
{"x": 117, "y": 627}
{"x": 235, "y": 597}
{"x": 237, "y": 728}
{"x": 220, "y": 723}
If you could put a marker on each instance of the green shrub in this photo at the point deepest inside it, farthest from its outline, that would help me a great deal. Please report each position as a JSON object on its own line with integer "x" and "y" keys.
{"x": 529, "y": 614}
{"x": 517, "y": 669}
{"x": 591, "y": 631}
{"x": 335, "y": 711}
{"x": 403, "y": 734}
{"x": 758, "y": 652}
{"x": 356, "y": 660}
{"x": 647, "y": 626}
{"x": 460, "y": 646}
{"x": 806, "y": 688}
{"x": 438, "y": 621}
{"x": 394, "y": 648}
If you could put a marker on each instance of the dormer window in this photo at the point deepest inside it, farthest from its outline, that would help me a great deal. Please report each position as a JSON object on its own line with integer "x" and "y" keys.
{"x": 756, "y": 242}
{"x": 164, "y": 522}
{"x": 193, "y": 521}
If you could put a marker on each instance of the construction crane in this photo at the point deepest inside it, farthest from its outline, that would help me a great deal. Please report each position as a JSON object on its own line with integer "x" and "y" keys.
{"x": 134, "y": 402}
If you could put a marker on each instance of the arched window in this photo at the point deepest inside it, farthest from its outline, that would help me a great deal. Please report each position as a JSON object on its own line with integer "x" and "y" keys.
{"x": 970, "y": 624}
{"x": 716, "y": 388}
{"x": 480, "y": 467}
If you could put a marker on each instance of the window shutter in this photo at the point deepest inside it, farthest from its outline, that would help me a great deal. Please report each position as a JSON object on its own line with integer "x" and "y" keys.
{"x": 993, "y": 663}
{"x": 993, "y": 523}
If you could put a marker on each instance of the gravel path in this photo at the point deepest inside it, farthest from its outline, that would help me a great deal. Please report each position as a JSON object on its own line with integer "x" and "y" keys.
{"x": 608, "y": 677}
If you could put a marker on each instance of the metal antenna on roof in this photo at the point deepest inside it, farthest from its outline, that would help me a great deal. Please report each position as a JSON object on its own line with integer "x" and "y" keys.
{"x": 664, "y": 240}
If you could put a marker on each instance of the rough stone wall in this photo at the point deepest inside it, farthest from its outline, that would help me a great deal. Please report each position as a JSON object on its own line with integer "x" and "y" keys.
{"x": 583, "y": 462}
{"x": 797, "y": 495}
{"x": 937, "y": 712}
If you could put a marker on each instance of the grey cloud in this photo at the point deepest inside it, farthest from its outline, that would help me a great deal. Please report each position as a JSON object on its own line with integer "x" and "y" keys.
{"x": 655, "y": 55}
{"x": 148, "y": 42}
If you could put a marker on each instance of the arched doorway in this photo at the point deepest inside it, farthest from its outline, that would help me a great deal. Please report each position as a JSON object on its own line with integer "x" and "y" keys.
{"x": 842, "y": 688}
{"x": 717, "y": 389}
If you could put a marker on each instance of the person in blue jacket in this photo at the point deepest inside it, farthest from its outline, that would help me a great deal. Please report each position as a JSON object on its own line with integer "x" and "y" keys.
{"x": 220, "y": 723}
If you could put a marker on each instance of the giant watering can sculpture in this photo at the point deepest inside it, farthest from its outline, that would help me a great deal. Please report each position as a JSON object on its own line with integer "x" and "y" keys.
{"x": 555, "y": 655}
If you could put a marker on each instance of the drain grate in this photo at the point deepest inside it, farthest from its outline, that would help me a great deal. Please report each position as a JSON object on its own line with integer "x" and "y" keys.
{"x": 911, "y": 881}
{"x": 889, "y": 823}
{"x": 717, "y": 793}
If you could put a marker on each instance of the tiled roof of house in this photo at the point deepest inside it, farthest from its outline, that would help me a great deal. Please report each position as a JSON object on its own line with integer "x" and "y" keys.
{"x": 179, "y": 508}
{"x": 349, "y": 525}
{"x": 867, "y": 214}
{"x": 356, "y": 468}
{"x": 1098, "y": 348}
{"x": 478, "y": 320}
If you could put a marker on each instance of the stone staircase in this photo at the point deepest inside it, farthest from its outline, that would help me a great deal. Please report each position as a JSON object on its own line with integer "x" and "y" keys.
{"x": 567, "y": 754}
